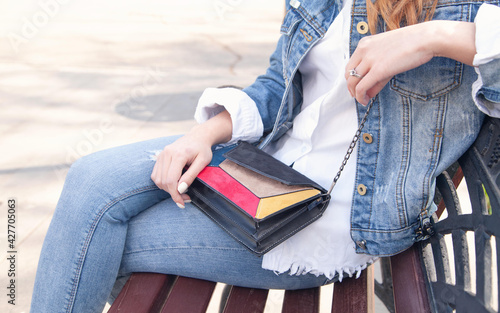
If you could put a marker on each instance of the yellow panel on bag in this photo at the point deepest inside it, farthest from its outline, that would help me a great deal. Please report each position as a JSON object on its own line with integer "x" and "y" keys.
{"x": 268, "y": 206}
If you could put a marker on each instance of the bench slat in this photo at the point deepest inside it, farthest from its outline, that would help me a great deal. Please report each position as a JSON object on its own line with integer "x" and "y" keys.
{"x": 246, "y": 300}
{"x": 355, "y": 295}
{"x": 143, "y": 293}
{"x": 410, "y": 293}
{"x": 189, "y": 295}
{"x": 301, "y": 301}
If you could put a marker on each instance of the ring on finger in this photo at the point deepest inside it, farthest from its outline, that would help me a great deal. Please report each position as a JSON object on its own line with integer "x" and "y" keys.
{"x": 354, "y": 73}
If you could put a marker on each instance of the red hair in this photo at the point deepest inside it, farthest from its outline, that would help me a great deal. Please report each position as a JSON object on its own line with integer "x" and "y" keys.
{"x": 397, "y": 13}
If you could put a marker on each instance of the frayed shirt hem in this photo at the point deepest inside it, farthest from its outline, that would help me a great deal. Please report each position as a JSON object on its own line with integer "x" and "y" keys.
{"x": 338, "y": 272}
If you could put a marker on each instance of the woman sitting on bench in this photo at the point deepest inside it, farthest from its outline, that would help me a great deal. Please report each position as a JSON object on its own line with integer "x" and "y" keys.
{"x": 125, "y": 210}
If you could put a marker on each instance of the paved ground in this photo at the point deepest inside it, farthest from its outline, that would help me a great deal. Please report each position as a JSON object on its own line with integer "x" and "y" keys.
{"x": 81, "y": 76}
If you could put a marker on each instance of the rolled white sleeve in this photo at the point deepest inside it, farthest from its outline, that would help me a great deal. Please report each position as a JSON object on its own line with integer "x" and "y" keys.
{"x": 487, "y": 24}
{"x": 487, "y": 34}
{"x": 247, "y": 123}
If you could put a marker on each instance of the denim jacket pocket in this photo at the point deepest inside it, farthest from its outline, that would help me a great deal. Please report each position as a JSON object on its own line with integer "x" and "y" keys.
{"x": 433, "y": 79}
{"x": 440, "y": 75}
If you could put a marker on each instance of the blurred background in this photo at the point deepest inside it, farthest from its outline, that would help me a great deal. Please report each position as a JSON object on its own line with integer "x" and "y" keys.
{"x": 81, "y": 76}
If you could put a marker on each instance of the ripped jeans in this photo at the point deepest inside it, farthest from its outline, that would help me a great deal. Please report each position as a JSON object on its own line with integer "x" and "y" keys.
{"x": 112, "y": 220}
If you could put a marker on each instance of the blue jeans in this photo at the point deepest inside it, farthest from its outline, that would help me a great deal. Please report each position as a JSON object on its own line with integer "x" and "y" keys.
{"x": 112, "y": 220}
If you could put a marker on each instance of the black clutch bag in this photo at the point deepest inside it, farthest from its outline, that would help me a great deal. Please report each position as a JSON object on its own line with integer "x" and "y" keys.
{"x": 257, "y": 199}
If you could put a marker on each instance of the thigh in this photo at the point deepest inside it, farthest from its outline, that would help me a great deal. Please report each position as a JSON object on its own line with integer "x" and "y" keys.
{"x": 116, "y": 182}
{"x": 166, "y": 239}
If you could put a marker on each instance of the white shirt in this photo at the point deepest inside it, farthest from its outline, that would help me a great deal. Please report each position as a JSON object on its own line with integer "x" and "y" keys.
{"x": 487, "y": 49}
{"x": 317, "y": 144}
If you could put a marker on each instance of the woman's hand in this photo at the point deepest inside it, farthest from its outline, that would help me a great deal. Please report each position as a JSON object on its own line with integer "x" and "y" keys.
{"x": 188, "y": 151}
{"x": 378, "y": 58}
{"x": 193, "y": 152}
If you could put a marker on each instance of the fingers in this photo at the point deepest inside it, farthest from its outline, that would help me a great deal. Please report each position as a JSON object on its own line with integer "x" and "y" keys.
{"x": 189, "y": 176}
{"x": 172, "y": 174}
{"x": 358, "y": 83}
{"x": 363, "y": 73}
{"x": 354, "y": 72}
{"x": 168, "y": 174}
{"x": 194, "y": 169}
{"x": 367, "y": 86}
{"x": 353, "y": 78}
{"x": 363, "y": 81}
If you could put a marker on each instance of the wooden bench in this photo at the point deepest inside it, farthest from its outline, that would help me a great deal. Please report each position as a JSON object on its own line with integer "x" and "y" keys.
{"x": 456, "y": 270}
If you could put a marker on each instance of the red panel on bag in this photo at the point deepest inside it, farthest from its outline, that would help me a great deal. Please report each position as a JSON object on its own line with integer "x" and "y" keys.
{"x": 230, "y": 188}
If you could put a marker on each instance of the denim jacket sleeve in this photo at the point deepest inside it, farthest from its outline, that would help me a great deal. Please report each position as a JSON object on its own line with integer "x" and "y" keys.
{"x": 486, "y": 90}
{"x": 268, "y": 89}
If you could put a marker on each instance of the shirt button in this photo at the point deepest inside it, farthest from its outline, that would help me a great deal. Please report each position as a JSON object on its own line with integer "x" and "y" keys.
{"x": 362, "y": 27}
{"x": 367, "y": 138}
{"x": 362, "y": 189}
{"x": 361, "y": 244}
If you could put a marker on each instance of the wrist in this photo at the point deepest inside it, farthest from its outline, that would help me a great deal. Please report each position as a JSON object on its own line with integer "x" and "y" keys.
{"x": 216, "y": 130}
{"x": 452, "y": 39}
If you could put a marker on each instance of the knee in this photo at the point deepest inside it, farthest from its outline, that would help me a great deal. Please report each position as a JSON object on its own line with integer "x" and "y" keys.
{"x": 88, "y": 170}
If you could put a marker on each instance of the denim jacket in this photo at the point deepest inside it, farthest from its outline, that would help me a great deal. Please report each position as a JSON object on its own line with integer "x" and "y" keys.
{"x": 420, "y": 123}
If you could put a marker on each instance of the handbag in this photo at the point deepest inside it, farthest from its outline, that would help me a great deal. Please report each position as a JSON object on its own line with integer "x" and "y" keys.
{"x": 257, "y": 199}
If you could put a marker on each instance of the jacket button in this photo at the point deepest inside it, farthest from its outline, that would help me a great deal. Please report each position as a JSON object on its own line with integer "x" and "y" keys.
{"x": 361, "y": 244}
{"x": 362, "y": 27}
{"x": 367, "y": 138}
{"x": 294, "y": 4}
{"x": 361, "y": 189}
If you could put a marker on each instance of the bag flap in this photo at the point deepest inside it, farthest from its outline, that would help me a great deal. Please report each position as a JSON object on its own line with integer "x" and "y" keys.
{"x": 254, "y": 159}
{"x": 257, "y": 195}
